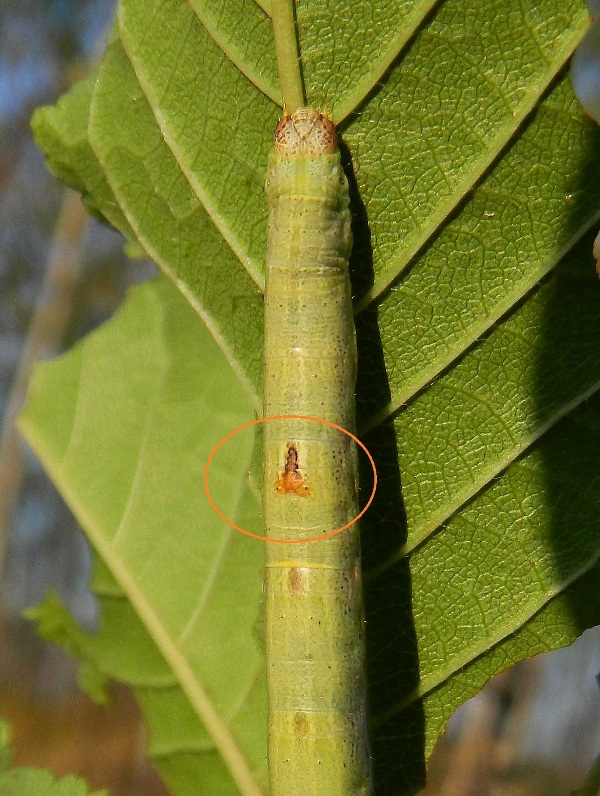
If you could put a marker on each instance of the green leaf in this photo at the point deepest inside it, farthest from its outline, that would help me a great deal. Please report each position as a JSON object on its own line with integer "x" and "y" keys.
{"x": 4, "y": 745}
{"x": 34, "y": 781}
{"x": 57, "y": 625}
{"x": 476, "y": 180}
{"x": 175, "y": 229}
{"x": 134, "y": 412}
{"x": 63, "y": 131}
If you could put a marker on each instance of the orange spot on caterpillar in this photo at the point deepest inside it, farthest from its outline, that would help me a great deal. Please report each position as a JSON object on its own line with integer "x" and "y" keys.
{"x": 301, "y": 726}
{"x": 291, "y": 480}
{"x": 296, "y": 580}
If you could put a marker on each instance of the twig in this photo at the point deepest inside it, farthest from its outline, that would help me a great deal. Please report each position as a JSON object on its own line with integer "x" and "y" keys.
{"x": 591, "y": 786}
{"x": 45, "y": 335}
{"x": 286, "y": 50}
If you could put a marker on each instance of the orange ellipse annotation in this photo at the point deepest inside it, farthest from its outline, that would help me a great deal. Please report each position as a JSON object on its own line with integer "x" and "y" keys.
{"x": 288, "y": 417}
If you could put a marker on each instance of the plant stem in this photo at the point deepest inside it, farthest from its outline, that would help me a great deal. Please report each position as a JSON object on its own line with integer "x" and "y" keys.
{"x": 288, "y": 58}
{"x": 52, "y": 314}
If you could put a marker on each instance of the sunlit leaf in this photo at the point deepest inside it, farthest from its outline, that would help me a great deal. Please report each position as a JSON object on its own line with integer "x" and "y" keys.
{"x": 476, "y": 179}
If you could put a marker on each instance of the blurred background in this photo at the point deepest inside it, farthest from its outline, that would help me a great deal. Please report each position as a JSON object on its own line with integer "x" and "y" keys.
{"x": 533, "y": 731}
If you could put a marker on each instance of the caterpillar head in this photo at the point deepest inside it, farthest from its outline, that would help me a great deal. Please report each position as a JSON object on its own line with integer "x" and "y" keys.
{"x": 306, "y": 132}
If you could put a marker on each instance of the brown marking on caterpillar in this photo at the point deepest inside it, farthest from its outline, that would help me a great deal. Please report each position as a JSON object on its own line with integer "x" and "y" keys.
{"x": 296, "y": 580}
{"x": 291, "y": 480}
{"x": 301, "y": 726}
{"x": 306, "y": 132}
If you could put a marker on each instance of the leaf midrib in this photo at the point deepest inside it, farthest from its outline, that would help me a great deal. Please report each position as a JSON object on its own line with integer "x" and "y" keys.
{"x": 217, "y": 728}
{"x": 352, "y": 100}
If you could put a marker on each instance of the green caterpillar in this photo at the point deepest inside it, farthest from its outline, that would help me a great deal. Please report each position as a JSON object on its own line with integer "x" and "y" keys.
{"x": 313, "y": 598}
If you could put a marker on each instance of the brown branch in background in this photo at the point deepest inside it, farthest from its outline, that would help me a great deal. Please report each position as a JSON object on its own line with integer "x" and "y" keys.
{"x": 486, "y": 755}
{"x": 46, "y": 333}
{"x": 516, "y": 690}
{"x": 470, "y": 758}
{"x": 592, "y": 783}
